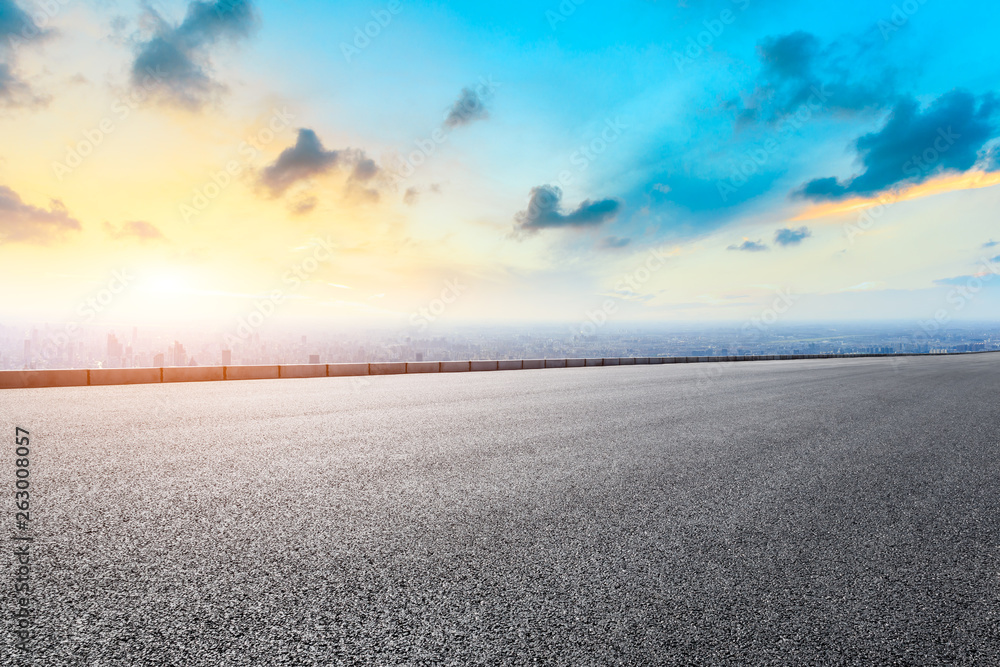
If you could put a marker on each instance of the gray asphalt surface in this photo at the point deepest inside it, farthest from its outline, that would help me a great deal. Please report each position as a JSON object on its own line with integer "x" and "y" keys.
{"x": 835, "y": 512}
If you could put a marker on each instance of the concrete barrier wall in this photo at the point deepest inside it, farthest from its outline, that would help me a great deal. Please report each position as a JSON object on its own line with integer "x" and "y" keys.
{"x": 303, "y": 371}
{"x": 123, "y": 376}
{"x": 346, "y": 370}
{"x": 394, "y": 368}
{"x": 484, "y": 365}
{"x": 111, "y": 376}
{"x": 423, "y": 367}
{"x": 456, "y": 366}
{"x": 193, "y": 374}
{"x": 26, "y": 379}
{"x": 251, "y": 372}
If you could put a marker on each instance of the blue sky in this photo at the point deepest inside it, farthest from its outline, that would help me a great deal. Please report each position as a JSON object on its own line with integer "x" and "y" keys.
{"x": 539, "y": 152}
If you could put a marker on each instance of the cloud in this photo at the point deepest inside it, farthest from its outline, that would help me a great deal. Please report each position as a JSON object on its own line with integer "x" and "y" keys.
{"x": 613, "y": 243}
{"x": 175, "y": 62}
{"x": 412, "y": 194}
{"x": 977, "y": 281}
{"x": 991, "y": 244}
{"x": 138, "y": 230}
{"x": 30, "y": 224}
{"x": 787, "y": 237}
{"x": 990, "y": 158}
{"x": 16, "y": 27}
{"x": 915, "y": 145}
{"x": 304, "y": 206}
{"x": 364, "y": 170}
{"x": 749, "y": 246}
{"x": 469, "y": 107}
{"x": 797, "y": 69}
{"x": 544, "y": 211}
{"x": 308, "y": 158}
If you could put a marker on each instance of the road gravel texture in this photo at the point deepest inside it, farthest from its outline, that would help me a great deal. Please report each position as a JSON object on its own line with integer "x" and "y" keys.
{"x": 828, "y": 512}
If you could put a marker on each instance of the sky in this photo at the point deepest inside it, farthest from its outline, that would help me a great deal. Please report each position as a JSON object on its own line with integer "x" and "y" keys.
{"x": 661, "y": 161}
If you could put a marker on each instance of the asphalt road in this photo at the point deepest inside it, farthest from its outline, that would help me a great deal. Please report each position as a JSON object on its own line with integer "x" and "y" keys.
{"x": 799, "y": 512}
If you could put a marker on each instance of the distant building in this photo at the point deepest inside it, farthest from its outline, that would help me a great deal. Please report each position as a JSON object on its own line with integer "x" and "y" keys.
{"x": 179, "y": 356}
{"x": 313, "y": 358}
{"x": 227, "y": 357}
{"x": 115, "y": 352}
{"x": 158, "y": 360}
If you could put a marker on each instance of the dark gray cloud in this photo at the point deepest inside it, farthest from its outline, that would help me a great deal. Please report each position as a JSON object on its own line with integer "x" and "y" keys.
{"x": 545, "y": 211}
{"x": 749, "y": 246}
{"x": 469, "y": 107}
{"x": 364, "y": 170}
{"x": 20, "y": 222}
{"x": 915, "y": 145}
{"x": 175, "y": 63}
{"x": 134, "y": 230}
{"x": 797, "y": 70}
{"x": 308, "y": 158}
{"x": 787, "y": 237}
{"x": 613, "y": 243}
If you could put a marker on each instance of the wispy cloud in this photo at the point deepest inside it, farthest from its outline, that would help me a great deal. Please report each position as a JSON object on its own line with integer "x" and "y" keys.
{"x": 545, "y": 211}
{"x": 134, "y": 230}
{"x": 308, "y": 158}
{"x": 175, "y": 61}
{"x": 468, "y": 108}
{"x": 916, "y": 144}
{"x": 749, "y": 246}
{"x": 30, "y": 224}
{"x": 787, "y": 237}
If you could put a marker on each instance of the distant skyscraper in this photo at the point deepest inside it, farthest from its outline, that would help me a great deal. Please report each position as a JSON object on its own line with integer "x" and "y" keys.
{"x": 227, "y": 357}
{"x": 313, "y": 358}
{"x": 179, "y": 356}
{"x": 158, "y": 360}
{"x": 115, "y": 352}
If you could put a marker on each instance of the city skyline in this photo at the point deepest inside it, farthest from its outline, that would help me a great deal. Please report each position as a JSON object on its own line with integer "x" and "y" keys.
{"x": 46, "y": 347}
